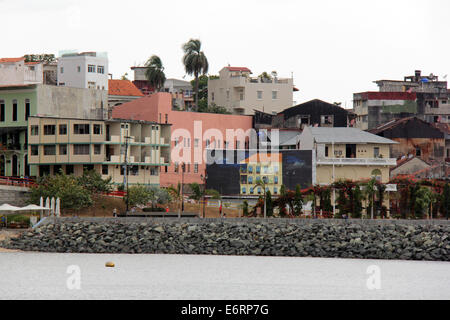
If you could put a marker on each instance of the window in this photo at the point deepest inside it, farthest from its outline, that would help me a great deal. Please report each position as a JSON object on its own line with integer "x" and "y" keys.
{"x": 62, "y": 149}
{"x": 228, "y": 94}
{"x": 2, "y": 110}
{"x": 238, "y": 144}
{"x": 376, "y": 152}
{"x": 14, "y": 111}
{"x": 34, "y": 150}
{"x": 91, "y": 68}
{"x": 97, "y": 148}
{"x": 195, "y": 167}
{"x": 196, "y": 143}
{"x": 244, "y": 190}
{"x": 259, "y": 190}
{"x": 50, "y": 150}
{"x": 250, "y": 179}
{"x": 69, "y": 169}
{"x": 275, "y": 179}
{"x": 175, "y": 167}
{"x": 303, "y": 121}
{"x": 326, "y": 120}
{"x": 61, "y": 69}
{"x": 153, "y": 172}
{"x": 258, "y": 169}
{"x": 80, "y": 149}
{"x": 101, "y": 69}
{"x": 244, "y": 179}
{"x": 225, "y": 144}
{"x": 105, "y": 169}
{"x": 49, "y": 130}
{"x": 259, "y": 95}
{"x": 63, "y": 129}
{"x": 34, "y": 130}
{"x": 251, "y": 190}
{"x": 275, "y": 190}
{"x": 81, "y": 128}
{"x": 27, "y": 109}
{"x": 274, "y": 95}
{"x": 91, "y": 85}
{"x": 167, "y": 118}
{"x": 250, "y": 169}
{"x": 212, "y": 96}
{"x": 418, "y": 152}
{"x": 207, "y": 143}
{"x": 326, "y": 151}
{"x": 97, "y": 129}
{"x": 79, "y": 69}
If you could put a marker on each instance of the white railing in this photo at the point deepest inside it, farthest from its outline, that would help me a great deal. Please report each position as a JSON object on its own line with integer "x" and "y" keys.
{"x": 358, "y": 161}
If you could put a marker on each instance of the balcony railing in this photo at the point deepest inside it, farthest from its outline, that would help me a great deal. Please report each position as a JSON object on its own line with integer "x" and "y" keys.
{"x": 357, "y": 161}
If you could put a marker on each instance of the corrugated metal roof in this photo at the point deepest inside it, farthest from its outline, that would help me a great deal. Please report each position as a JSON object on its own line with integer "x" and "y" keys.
{"x": 346, "y": 135}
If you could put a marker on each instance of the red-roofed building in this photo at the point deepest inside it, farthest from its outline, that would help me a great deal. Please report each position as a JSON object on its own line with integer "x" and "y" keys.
{"x": 121, "y": 91}
{"x": 192, "y": 133}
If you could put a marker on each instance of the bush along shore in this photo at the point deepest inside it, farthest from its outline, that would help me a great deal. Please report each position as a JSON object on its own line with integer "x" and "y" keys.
{"x": 404, "y": 241}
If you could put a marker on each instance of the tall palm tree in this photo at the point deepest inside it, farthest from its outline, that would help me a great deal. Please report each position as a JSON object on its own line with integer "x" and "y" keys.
{"x": 155, "y": 72}
{"x": 195, "y": 62}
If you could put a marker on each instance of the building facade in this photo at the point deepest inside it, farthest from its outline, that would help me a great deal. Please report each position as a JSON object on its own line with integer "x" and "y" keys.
{"x": 19, "y": 102}
{"x": 423, "y": 96}
{"x": 240, "y": 93}
{"x": 74, "y": 145}
{"x": 192, "y": 134}
{"x": 347, "y": 154}
{"x": 83, "y": 70}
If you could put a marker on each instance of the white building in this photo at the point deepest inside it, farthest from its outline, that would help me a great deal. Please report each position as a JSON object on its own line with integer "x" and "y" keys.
{"x": 14, "y": 71}
{"x": 83, "y": 70}
{"x": 240, "y": 93}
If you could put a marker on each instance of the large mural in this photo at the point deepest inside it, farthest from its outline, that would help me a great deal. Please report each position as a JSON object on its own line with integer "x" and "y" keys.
{"x": 247, "y": 173}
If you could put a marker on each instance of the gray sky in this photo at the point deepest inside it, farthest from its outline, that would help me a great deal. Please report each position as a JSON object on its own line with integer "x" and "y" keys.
{"x": 334, "y": 48}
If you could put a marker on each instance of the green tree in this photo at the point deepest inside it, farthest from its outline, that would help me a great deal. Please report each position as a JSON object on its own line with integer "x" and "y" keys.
{"x": 155, "y": 72}
{"x": 357, "y": 202}
{"x": 369, "y": 193}
{"x": 124, "y": 76}
{"x": 446, "y": 200}
{"x": 423, "y": 198}
{"x": 195, "y": 63}
{"x": 298, "y": 201}
{"x": 265, "y": 76}
{"x": 92, "y": 181}
{"x": 66, "y": 187}
{"x": 46, "y": 57}
{"x": 138, "y": 195}
{"x": 158, "y": 196}
{"x": 245, "y": 208}
{"x": 269, "y": 204}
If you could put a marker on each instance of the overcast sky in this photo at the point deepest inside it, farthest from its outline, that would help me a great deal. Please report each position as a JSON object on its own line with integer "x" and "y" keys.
{"x": 333, "y": 48}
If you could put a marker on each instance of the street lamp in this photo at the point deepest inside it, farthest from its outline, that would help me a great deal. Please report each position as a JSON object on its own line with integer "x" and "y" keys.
{"x": 203, "y": 178}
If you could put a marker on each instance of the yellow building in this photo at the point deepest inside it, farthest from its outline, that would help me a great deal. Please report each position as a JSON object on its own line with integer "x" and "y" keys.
{"x": 347, "y": 154}
{"x": 74, "y": 145}
{"x": 261, "y": 168}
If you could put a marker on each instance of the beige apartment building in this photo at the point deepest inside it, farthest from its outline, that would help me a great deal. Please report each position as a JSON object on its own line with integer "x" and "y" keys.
{"x": 240, "y": 93}
{"x": 74, "y": 145}
{"x": 347, "y": 154}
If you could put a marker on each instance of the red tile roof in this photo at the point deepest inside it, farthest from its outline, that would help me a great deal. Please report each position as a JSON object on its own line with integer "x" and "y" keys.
{"x": 238, "y": 69}
{"x": 32, "y": 62}
{"x": 123, "y": 88}
{"x": 5, "y": 60}
{"x": 377, "y": 95}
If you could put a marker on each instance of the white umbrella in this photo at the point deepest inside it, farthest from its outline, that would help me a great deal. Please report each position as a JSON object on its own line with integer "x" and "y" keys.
{"x": 53, "y": 205}
{"x": 8, "y": 207}
{"x": 32, "y": 207}
{"x": 58, "y": 207}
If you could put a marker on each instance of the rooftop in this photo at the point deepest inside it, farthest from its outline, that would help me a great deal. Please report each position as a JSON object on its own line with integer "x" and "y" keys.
{"x": 123, "y": 88}
{"x": 11, "y": 60}
{"x": 346, "y": 135}
{"x": 243, "y": 69}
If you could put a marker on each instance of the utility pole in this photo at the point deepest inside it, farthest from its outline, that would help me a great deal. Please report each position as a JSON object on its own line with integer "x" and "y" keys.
{"x": 125, "y": 174}
{"x": 203, "y": 178}
{"x": 334, "y": 190}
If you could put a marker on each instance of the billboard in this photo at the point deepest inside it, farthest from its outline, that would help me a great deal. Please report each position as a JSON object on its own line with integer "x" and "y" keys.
{"x": 247, "y": 172}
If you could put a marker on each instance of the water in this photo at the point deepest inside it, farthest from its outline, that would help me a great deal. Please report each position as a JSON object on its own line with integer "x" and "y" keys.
{"x": 44, "y": 276}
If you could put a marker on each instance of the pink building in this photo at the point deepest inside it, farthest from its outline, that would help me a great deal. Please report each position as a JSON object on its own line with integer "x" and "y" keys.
{"x": 192, "y": 133}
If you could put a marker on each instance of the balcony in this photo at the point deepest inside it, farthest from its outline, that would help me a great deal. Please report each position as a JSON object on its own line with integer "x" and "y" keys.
{"x": 357, "y": 161}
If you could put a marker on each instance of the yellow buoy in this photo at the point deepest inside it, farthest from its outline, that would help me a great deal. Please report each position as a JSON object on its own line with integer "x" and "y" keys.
{"x": 109, "y": 264}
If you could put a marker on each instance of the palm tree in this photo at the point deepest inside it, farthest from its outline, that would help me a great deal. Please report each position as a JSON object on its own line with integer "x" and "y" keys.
{"x": 155, "y": 72}
{"x": 195, "y": 62}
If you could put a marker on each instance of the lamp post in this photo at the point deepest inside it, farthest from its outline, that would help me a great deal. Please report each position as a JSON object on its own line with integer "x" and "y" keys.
{"x": 125, "y": 174}
{"x": 183, "y": 167}
{"x": 203, "y": 178}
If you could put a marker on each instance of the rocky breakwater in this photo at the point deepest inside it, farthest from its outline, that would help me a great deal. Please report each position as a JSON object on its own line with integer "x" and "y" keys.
{"x": 251, "y": 237}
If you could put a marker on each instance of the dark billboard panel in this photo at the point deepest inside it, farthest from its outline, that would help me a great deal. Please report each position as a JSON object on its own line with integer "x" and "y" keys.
{"x": 239, "y": 172}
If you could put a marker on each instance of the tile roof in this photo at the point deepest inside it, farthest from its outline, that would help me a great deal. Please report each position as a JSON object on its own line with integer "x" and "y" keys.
{"x": 238, "y": 69}
{"x": 6, "y": 60}
{"x": 123, "y": 88}
{"x": 346, "y": 135}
